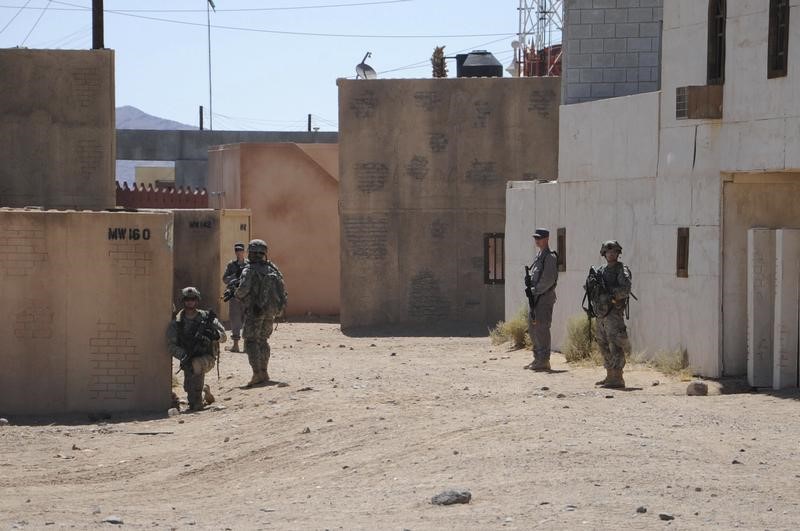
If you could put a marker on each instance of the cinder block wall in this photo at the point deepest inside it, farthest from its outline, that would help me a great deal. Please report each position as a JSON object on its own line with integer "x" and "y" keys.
{"x": 424, "y": 165}
{"x": 85, "y": 302}
{"x": 611, "y": 48}
{"x": 57, "y": 128}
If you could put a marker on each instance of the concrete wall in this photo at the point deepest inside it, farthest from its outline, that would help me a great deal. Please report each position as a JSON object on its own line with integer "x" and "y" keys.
{"x": 57, "y": 128}
{"x": 204, "y": 240}
{"x": 148, "y": 175}
{"x": 767, "y": 201}
{"x": 189, "y": 149}
{"x": 608, "y": 188}
{"x": 424, "y": 164}
{"x": 611, "y": 48}
{"x": 85, "y": 304}
{"x": 292, "y": 192}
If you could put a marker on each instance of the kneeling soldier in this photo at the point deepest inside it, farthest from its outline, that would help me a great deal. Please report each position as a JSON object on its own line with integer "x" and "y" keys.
{"x": 193, "y": 337}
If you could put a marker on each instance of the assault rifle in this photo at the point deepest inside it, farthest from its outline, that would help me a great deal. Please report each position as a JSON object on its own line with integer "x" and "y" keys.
{"x": 206, "y": 332}
{"x": 532, "y": 299}
{"x": 230, "y": 290}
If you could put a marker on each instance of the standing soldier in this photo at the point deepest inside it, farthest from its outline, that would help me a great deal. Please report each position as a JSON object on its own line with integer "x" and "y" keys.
{"x": 193, "y": 338}
{"x": 540, "y": 287}
{"x": 611, "y": 285}
{"x": 263, "y": 294}
{"x": 233, "y": 271}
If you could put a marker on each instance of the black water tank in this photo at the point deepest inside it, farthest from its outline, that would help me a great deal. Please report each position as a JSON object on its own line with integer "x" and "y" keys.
{"x": 478, "y": 63}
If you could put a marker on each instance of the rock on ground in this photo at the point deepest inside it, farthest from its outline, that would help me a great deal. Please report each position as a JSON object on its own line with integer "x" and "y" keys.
{"x": 449, "y": 497}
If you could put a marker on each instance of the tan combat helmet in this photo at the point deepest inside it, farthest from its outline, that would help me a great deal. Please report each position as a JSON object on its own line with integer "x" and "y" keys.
{"x": 610, "y": 244}
{"x": 190, "y": 292}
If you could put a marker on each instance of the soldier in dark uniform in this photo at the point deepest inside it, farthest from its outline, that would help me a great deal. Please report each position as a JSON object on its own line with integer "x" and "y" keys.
{"x": 542, "y": 286}
{"x": 233, "y": 271}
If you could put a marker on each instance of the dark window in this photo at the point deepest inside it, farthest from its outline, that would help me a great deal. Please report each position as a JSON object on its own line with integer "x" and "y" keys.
{"x": 494, "y": 255}
{"x": 683, "y": 252}
{"x": 561, "y": 249}
{"x": 778, "y": 38}
{"x": 716, "y": 42}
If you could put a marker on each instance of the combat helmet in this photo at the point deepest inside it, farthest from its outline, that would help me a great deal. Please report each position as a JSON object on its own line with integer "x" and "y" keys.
{"x": 610, "y": 244}
{"x": 190, "y": 292}
{"x": 257, "y": 246}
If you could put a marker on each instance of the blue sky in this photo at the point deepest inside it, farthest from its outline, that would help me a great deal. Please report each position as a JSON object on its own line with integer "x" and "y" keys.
{"x": 261, "y": 80}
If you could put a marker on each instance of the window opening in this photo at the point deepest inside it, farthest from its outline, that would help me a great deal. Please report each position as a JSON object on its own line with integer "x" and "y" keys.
{"x": 716, "y": 42}
{"x": 493, "y": 258}
{"x": 561, "y": 249}
{"x": 683, "y": 252}
{"x": 778, "y": 38}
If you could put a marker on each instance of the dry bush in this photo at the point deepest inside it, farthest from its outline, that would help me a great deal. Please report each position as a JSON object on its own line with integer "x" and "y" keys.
{"x": 514, "y": 331}
{"x": 579, "y": 345}
{"x": 670, "y": 362}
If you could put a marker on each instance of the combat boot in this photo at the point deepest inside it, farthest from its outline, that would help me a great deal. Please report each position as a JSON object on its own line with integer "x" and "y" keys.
{"x": 614, "y": 379}
{"x": 258, "y": 378}
{"x": 235, "y": 347}
{"x": 208, "y": 398}
{"x": 265, "y": 376}
{"x": 604, "y": 380}
{"x": 540, "y": 365}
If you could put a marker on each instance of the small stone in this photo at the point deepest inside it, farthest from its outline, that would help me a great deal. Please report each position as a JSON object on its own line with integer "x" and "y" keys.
{"x": 306, "y": 430}
{"x": 3, "y": 422}
{"x": 181, "y": 421}
{"x": 373, "y": 345}
{"x": 698, "y": 489}
{"x": 113, "y": 519}
{"x": 641, "y": 509}
{"x": 329, "y": 420}
{"x": 305, "y": 389}
{"x": 561, "y": 395}
{"x": 342, "y": 346}
{"x": 697, "y": 388}
{"x": 393, "y": 354}
{"x": 666, "y": 517}
{"x": 450, "y": 497}
{"x": 75, "y": 447}
{"x": 655, "y": 383}
{"x": 226, "y": 439}
{"x": 736, "y": 462}
{"x": 545, "y": 388}
{"x": 570, "y": 507}
{"x": 283, "y": 384}
{"x": 455, "y": 452}
{"x": 96, "y": 510}
{"x": 171, "y": 412}
{"x": 609, "y": 396}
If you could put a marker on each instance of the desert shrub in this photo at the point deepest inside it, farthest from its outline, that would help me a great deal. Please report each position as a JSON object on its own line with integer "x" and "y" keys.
{"x": 670, "y": 362}
{"x": 579, "y": 342}
{"x": 514, "y": 331}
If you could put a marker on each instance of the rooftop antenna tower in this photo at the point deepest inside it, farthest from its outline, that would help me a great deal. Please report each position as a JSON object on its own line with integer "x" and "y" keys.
{"x": 538, "y": 50}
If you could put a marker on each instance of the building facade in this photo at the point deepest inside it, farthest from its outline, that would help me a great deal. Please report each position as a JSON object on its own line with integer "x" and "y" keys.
{"x": 680, "y": 176}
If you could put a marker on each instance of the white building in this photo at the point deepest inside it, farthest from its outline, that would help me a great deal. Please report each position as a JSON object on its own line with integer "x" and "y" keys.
{"x": 654, "y": 169}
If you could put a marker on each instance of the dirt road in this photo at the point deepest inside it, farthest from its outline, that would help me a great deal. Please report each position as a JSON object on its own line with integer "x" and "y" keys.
{"x": 369, "y": 429}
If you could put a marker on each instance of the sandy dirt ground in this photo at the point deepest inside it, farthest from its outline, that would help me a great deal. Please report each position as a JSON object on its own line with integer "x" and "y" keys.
{"x": 367, "y": 430}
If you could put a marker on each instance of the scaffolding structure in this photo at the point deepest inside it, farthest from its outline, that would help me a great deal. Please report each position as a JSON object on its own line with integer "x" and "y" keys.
{"x": 540, "y": 28}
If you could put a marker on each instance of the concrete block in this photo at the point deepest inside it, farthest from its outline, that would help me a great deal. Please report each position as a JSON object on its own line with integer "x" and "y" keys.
{"x": 640, "y": 44}
{"x": 579, "y": 60}
{"x": 604, "y": 4}
{"x": 578, "y": 4}
{"x": 580, "y": 31}
{"x": 787, "y": 286}
{"x": 614, "y": 75}
{"x": 627, "y": 30}
{"x": 591, "y": 45}
{"x": 573, "y": 75}
{"x": 615, "y": 45}
{"x": 602, "y": 90}
{"x": 760, "y": 306}
{"x": 640, "y": 14}
{"x": 626, "y": 89}
{"x": 592, "y": 16}
{"x": 627, "y": 3}
{"x": 648, "y": 86}
{"x": 583, "y": 90}
{"x": 616, "y": 16}
{"x": 623, "y": 60}
{"x": 649, "y": 29}
{"x": 603, "y": 31}
{"x": 591, "y": 75}
{"x": 602, "y": 60}
{"x": 645, "y": 74}
{"x": 648, "y": 59}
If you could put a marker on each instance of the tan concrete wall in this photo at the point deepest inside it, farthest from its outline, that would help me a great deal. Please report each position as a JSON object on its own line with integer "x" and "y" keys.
{"x": 768, "y": 201}
{"x": 57, "y": 128}
{"x": 85, "y": 303}
{"x": 423, "y": 167}
{"x": 204, "y": 240}
{"x": 148, "y": 175}
{"x": 293, "y": 197}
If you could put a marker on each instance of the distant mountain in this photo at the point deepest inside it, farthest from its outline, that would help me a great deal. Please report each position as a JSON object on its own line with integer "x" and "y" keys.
{"x": 132, "y": 118}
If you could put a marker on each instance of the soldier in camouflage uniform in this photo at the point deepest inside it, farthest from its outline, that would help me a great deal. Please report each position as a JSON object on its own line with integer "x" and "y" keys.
{"x": 610, "y": 304}
{"x": 542, "y": 283}
{"x": 195, "y": 346}
{"x": 263, "y": 293}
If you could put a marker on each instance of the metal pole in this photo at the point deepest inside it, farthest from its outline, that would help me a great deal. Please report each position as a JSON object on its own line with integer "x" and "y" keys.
{"x": 201, "y": 117}
{"x": 210, "y": 101}
{"x": 309, "y": 123}
{"x": 97, "y": 25}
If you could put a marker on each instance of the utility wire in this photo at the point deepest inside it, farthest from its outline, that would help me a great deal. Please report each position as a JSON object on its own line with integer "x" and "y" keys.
{"x": 297, "y": 33}
{"x": 36, "y": 23}
{"x": 15, "y": 15}
{"x": 286, "y": 8}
